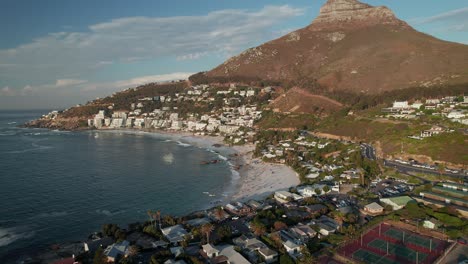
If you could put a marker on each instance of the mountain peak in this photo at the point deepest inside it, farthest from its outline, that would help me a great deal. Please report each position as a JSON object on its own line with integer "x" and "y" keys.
{"x": 352, "y": 13}
{"x": 342, "y": 5}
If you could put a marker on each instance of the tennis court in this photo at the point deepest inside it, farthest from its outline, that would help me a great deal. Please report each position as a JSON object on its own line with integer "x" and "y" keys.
{"x": 397, "y": 250}
{"x": 408, "y": 237}
{"x": 370, "y": 257}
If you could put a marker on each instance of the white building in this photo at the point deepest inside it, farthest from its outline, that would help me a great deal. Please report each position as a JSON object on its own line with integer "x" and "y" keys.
{"x": 402, "y": 104}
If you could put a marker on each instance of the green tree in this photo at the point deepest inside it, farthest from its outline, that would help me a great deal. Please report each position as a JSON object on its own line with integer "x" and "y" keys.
{"x": 153, "y": 260}
{"x": 99, "y": 257}
{"x": 318, "y": 191}
{"x": 207, "y": 229}
{"x": 286, "y": 259}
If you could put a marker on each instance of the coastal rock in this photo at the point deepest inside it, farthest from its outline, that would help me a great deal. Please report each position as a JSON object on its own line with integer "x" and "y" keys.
{"x": 73, "y": 123}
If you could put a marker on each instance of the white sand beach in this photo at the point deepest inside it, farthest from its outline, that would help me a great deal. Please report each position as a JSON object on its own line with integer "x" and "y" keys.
{"x": 259, "y": 179}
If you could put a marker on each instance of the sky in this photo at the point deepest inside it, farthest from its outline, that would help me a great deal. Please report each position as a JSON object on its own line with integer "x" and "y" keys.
{"x": 58, "y": 53}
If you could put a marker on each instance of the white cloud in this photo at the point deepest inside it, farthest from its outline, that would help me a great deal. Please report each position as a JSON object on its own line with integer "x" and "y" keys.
{"x": 451, "y": 21}
{"x": 138, "y": 38}
{"x": 65, "y": 93}
{"x": 133, "y": 82}
{"x": 456, "y": 14}
{"x": 7, "y": 91}
{"x": 191, "y": 56}
{"x": 68, "y": 82}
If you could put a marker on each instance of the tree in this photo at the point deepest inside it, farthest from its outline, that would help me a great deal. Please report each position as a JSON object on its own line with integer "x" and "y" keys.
{"x": 318, "y": 191}
{"x": 278, "y": 225}
{"x": 153, "y": 260}
{"x": 440, "y": 169}
{"x": 286, "y": 259}
{"x": 326, "y": 188}
{"x": 133, "y": 251}
{"x": 99, "y": 257}
{"x": 258, "y": 228}
{"x": 207, "y": 229}
{"x": 219, "y": 213}
{"x": 224, "y": 232}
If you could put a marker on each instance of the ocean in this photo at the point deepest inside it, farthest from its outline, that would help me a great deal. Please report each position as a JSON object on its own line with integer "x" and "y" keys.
{"x": 59, "y": 186}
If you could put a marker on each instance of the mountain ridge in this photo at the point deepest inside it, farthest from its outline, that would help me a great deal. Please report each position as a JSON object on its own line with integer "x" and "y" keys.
{"x": 355, "y": 47}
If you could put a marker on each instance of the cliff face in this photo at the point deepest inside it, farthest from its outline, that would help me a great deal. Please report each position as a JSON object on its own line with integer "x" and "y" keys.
{"x": 355, "y": 47}
{"x": 352, "y": 13}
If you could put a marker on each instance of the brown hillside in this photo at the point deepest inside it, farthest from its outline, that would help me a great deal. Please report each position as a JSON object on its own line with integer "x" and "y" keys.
{"x": 299, "y": 101}
{"x": 354, "y": 47}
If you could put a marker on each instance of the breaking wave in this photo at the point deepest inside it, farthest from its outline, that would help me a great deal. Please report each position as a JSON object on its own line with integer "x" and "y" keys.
{"x": 10, "y": 235}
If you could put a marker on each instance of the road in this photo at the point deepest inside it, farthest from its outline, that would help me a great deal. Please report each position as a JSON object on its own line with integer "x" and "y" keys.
{"x": 406, "y": 168}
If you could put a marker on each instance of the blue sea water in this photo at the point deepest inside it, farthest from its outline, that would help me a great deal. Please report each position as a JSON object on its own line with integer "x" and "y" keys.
{"x": 58, "y": 186}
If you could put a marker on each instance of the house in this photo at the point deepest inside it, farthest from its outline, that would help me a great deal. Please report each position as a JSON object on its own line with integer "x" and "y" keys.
{"x": 325, "y": 230}
{"x": 232, "y": 256}
{"x": 250, "y": 243}
{"x": 431, "y": 223}
{"x": 269, "y": 255}
{"x": 374, "y": 208}
{"x": 455, "y": 114}
{"x": 316, "y": 208}
{"x": 210, "y": 251}
{"x": 291, "y": 247}
{"x": 397, "y": 203}
{"x": 303, "y": 231}
{"x": 327, "y": 225}
{"x": 284, "y": 196}
{"x": 172, "y": 261}
{"x": 117, "y": 249}
{"x": 435, "y": 130}
{"x": 402, "y": 104}
{"x": 309, "y": 191}
{"x": 175, "y": 233}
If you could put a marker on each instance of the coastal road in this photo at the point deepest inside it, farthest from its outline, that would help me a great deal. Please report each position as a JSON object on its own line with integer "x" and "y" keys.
{"x": 406, "y": 168}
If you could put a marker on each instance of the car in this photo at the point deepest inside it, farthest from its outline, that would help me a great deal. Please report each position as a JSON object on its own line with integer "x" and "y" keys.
{"x": 235, "y": 218}
{"x": 462, "y": 241}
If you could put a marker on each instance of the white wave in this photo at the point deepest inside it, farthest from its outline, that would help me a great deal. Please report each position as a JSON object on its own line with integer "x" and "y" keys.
{"x": 52, "y": 214}
{"x": 222, "y": 157}
{"x": 168, "y": 158}
{"x": 10, "y": 235}
{"x": 109, "y": 213}
{"x": 183, "y": 144}
{"x": 36, "y": 147}
{"x": 11, "y": 123}
{"x": 7, "y": 134}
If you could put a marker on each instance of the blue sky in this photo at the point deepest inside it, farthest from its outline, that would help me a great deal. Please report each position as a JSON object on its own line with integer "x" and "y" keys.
{"x": 57, "y": 53}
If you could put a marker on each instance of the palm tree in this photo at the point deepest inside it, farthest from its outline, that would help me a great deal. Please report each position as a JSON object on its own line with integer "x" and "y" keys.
{"x": 219, "y": 213}
{"x": 133, "y": 251}
{"x": 157, "y": 217}
{"x": 207, "y": 229}
{"x": 150, "y": 215}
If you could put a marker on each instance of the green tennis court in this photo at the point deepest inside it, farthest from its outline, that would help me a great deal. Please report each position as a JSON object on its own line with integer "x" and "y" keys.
{"x": 370, "y": 257}
{"x": 397, "y": 250}
{"x": 411, "y": 238}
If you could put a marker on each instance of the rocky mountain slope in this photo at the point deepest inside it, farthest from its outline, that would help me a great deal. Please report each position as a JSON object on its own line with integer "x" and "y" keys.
{"x": 353, "y": 47}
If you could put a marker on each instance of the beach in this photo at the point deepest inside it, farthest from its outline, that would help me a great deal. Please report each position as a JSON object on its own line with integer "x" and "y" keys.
{"x": 256, "y": 179}
{"x": 259, "y": 179}
{"x": 252, "y": 178}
